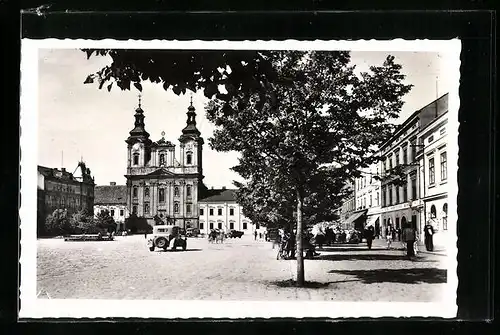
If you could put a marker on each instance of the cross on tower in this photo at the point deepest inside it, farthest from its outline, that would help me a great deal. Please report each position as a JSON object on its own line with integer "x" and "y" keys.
{"x": 191, "y": 99}
{"x": 139, "y": 96}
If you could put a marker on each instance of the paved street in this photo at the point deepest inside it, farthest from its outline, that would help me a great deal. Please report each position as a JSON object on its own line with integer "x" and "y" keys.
{"x": 239, "y": 269}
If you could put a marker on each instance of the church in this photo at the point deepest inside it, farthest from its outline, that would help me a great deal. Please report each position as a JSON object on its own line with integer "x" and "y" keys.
{"x": 161, "y": 187}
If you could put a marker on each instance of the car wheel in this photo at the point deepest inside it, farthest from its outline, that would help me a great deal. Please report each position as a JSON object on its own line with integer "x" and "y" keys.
{"x": 161, "y": 242}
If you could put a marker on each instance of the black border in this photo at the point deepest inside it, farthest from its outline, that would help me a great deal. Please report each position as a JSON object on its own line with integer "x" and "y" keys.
{"x": 476, "y": 179}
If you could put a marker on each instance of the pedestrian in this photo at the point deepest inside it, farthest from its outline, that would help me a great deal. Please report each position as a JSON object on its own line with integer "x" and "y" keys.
{"x": 409, "y": 236}
{"x": 255, "y": 235}
{"x": 369, "y": 235}
{"x": 388, "y": 235}
{"x": 428, "y": 238}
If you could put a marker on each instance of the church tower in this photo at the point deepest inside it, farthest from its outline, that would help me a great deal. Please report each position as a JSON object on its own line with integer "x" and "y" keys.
{"x": 139, "y": 144}
{"x": 191, "y": 145}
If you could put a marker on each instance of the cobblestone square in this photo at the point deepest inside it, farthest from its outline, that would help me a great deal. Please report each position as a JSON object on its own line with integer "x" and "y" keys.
{"x": 238, "y": 269}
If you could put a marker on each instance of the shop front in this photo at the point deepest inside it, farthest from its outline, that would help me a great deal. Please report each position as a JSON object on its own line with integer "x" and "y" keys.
{"x": 398, "y": 216}
{"x": 436, "y": 213}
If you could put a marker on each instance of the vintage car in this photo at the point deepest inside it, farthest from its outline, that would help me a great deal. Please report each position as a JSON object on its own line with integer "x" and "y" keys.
{"x": 234, "y": 233}
{"x": 166, "y": 237}
{"x": 192, "y": 232}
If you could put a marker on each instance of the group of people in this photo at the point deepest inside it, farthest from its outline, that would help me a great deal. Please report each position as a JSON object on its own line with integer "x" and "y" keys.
{"x": 409, "y": 236}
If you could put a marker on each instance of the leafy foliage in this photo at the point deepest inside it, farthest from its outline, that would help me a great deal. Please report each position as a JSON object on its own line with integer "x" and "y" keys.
{"x": 104, "y": 221}
{"x": 137, "y": 224}
{"x": 311, "y": 130}
{"x": 182, "y": 70}
{"x": 58, "y": 223}
{"x": 83, "y": 223}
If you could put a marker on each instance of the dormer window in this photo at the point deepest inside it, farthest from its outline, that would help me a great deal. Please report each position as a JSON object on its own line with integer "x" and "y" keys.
{"x": 189, "y": 158}
{"x": 136, "y": 159}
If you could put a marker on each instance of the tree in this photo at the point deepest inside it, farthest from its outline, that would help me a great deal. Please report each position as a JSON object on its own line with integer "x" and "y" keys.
{"x": 82, "y": 222}
{"x": 182, "y": 70}
{"x": 312, "y": 128}
{"x": 58, "y": 223}
{"x": 104, "y": 221}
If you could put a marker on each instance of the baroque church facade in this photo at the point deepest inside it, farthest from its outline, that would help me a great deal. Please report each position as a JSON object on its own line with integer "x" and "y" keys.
{"x": 161, "y": 187}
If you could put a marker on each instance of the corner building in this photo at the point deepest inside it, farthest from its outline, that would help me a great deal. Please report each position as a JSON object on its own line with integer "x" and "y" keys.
{"x": 160, "y": 185}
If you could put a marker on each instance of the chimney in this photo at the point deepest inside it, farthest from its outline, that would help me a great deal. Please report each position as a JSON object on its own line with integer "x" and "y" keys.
{"x": 112, "y": 183}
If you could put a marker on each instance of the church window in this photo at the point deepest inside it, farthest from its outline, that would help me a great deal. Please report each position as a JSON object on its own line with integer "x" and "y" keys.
{"x": 176, "y": 207}
{"x": 134, "y": 192}
{"x": 188, "y": 190}
{"x": 188, "y": 208}
{"x": 162, "y": 159}
{"x": 146, "y": 192}
{"x": 189, "y": 158}
{"x": 176, "y": 191}
{"x": 136, "y": 159}
{"x": 146, "y": 208}
{"x": 161, "y": 194}
{"x": 134, "y": 209}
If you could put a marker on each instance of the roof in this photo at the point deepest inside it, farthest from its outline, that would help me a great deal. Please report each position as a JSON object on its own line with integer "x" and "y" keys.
{"x": 220, "y": 195}
{"x": 110, "y": 194}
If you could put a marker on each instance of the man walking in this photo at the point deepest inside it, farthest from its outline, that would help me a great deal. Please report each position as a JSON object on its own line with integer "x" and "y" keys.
{"x": 255, "y": 235}
{"x": 409, "y": 236}
{"x": 429, "y": 232}
{"x": 369, "y": 235}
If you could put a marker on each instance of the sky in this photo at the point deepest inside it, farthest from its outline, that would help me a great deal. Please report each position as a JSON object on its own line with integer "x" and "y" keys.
{"x": 77, "y": 120}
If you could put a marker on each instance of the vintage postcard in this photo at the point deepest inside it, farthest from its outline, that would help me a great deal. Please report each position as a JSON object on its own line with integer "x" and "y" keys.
{"x": 255, "y": 179}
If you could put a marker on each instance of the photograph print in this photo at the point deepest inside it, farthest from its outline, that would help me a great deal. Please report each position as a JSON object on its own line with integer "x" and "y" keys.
{"x": 239, "y": 179}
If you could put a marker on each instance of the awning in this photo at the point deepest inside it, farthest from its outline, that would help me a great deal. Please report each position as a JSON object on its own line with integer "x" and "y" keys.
{"x": 355, "y": 216}
{"x": 370, "y": 221}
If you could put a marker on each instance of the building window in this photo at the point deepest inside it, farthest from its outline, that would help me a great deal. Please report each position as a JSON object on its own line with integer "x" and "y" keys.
{"x": 176, "y": 191}
{"x": 134, "y": 192}
{"x": 390, "y": 162}
{"x": 219, "y": 225}
{"x": 201, "y": 211}
{"x": 445, "y": 217}
{"x": 121, "y": 212}
{"x": 431, "y": 138}
{"x": 211, "y": 211}
{"x": 433, "y": 212}
{"x": 413, "y": 149}
{"x": 371, "y": 204}
{"x": 397, "y": 194}
{"x": 201, "y": 224}
{"x": 405, "y": 193}
{"x": 134, "y": 209}
{"x": 231, "y": 211}
{"x": 176, "y": 207}
{"x": 112, "y": 212}
{"x": 162, "y": 159}
{"x": 136, "y": 159}
{"x": 405, "y": 156}
{"x": 188, "y": 208}
{"x": 376, "y": 198}
{"x": 161, "y": 195}
{"x": 431, "y": 171}
{"x": 443, "y": 161}
{"x": 245, "y": 225}
{"x": 384, "y": 196}
{"x": 442, "y": 131}
{"x": 188, "y": 190}
{"x": 390, "y": 195}
{"x": 189, "y": 158}
{"x": 211, "y": 225}
{"x": 396, "y": 156}
{"x": 146, "y": 208}
{"x": 414, "y": 188}
{"x": 219, "y": 211}
{"x": 231, "y": 225}
{"x": 146, "y": 192}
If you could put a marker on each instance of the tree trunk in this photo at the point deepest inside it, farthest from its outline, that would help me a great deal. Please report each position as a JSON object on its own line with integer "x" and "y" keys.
{"x": 298, "y": 241}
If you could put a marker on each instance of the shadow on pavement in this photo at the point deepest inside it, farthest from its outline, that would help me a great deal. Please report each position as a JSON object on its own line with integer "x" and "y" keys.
{"x": 293, "y": 283}
{"x": 179, "y": 250}
{"x": 406, "y": 276}
{"x": 370, "y": 257}
{"x": 363, "y": 248}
